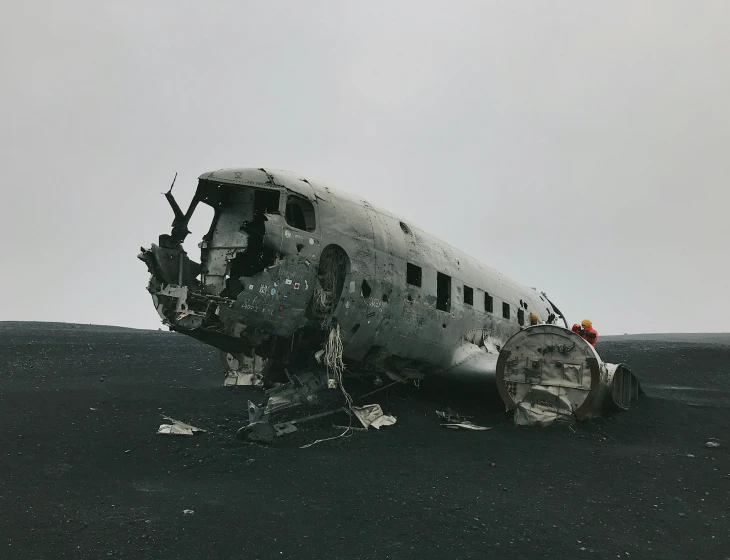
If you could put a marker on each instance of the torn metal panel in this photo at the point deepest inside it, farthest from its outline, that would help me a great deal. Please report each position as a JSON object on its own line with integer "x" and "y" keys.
{"x": 170, "y": 264}
{"x": 259, "y": 432}
{"x": 303, "y": 390}
{"x": 284, "y": 239}
{"x": 257, "y": 413}
{"x": 549, "y": 374}
{"x": 243, "y": 370}
{"x": 451, "y": 416}
{"x": 258, "y": 428}
{"x": 529, "y": 414}
{"x": 372, "y": 415}
{"x": 491, "y": 339}
{"x": 283, "y": 428}
{"x": 456, "y": 421}
{"x": 237, "y": 379}
{"x": 544, "y": 406}
{"x": 177, "y": 428}
{"x": 466, "y": 425}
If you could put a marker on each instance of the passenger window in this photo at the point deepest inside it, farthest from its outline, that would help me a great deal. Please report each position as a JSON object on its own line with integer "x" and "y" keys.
{"x": 488, "y": 303}
{"x": 505, "y": 310}
{"x": 443, "y": 292}
{"x": 521, "y": 317}
{"x": 468, "y": 295}
{"x": 300, "y": 214}
{"x": 413, "y": 274}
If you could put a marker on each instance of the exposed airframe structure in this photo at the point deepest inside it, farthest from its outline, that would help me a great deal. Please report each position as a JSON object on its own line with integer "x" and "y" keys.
{"x": 292, "y": 269}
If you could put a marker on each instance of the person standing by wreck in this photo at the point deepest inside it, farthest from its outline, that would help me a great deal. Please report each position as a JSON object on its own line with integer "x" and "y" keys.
{"x": 586, "y": 330}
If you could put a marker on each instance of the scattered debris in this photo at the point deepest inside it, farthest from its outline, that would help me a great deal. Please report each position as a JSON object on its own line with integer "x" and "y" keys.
{"x": 172, "y": 429}
{"x": 466, "y": 425}
{"x": 177, "y": 428}
{"x": 243, "y": 370}
{"x": 712, "y": 444}
{"x": 236, "y": 378}
{"x": 451, "y": 416}
{"x": 455, "y": 421}
{"x": 188, "y": 512}
{"x": 372, "y": 415}
{"x": 283, "y": 428}
{"x": 353, "y": 428}
{"x": 536, "y": 414}
{"x": 257, "y": 414}
{"x": 258, "y": 428}
{"x": 305, "y": 389}
{"x": 258, "y": 432}
{"x": 302, "y": 389}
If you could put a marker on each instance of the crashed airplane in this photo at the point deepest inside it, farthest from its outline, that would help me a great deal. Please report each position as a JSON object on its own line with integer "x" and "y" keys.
{"x": 300, "y": 283}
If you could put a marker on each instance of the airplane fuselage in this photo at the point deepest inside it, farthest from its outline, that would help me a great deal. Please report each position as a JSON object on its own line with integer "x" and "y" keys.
{"x": 285, "y": 259}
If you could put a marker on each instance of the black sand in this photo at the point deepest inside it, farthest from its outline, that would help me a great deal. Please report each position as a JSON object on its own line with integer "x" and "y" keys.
{"x": 83, "y": 474}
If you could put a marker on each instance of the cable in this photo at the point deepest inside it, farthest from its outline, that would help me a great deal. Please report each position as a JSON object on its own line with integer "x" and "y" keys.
{"x": 325, "y": 287}
{"x": 333, "y": 362}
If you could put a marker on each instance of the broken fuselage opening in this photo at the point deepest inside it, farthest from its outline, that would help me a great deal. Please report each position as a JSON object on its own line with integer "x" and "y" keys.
{"x": 234, "y": 248}
{"x": 257, "y": 269}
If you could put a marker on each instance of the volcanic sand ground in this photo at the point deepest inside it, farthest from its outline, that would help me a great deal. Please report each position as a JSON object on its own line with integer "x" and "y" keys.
{"x": 84, "y": 475}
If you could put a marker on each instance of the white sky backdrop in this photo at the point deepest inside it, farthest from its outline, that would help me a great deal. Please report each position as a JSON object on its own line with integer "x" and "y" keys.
{"x": 580, "y": 147}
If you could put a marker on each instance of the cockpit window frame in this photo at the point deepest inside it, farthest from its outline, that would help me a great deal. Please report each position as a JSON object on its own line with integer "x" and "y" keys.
{"x": 303, "y": 203}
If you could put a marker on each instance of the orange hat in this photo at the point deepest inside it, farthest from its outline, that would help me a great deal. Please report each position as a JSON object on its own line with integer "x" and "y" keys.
{"x": 533, "y": 316}
{"x": 586, "y": 323}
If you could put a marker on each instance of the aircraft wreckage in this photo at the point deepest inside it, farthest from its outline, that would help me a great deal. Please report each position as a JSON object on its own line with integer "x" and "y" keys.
{"x": 300, "y": 283}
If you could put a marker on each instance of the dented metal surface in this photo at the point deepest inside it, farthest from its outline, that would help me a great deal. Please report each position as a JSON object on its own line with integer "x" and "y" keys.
{"x": 286, "y": 258}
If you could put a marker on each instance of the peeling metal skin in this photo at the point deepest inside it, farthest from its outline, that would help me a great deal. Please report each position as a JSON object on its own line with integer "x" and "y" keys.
{"x": 285, "y": 258}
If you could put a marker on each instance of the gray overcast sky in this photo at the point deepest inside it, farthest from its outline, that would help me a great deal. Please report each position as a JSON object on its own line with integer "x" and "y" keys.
{"x": 580, "y": 147}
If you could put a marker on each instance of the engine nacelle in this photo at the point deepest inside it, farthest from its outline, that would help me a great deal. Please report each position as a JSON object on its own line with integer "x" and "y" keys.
{"x": 547, "y": 374}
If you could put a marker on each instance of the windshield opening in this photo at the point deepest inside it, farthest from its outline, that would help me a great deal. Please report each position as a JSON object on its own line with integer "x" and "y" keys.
{"x": 199, "y": 225}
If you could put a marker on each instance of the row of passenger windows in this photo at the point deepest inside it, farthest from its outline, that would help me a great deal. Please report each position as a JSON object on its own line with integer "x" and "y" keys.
{"x": 414, "y": 277}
